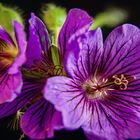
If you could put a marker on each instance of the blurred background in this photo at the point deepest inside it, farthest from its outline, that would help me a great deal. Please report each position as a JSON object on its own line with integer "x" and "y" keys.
{"x": 128, "y": 11}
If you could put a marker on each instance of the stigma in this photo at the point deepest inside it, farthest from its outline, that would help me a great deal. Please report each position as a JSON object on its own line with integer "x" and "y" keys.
{"x": 121, "y": 81}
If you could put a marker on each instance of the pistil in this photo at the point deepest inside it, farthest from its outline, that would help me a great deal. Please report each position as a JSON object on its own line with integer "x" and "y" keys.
{"x": 98, "y": 89}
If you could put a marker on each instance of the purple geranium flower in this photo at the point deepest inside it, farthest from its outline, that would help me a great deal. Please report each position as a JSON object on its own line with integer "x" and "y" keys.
{"x": 102, "y": 94}
{"x": 40, "y": 117}
{"x": 12, "y": 56}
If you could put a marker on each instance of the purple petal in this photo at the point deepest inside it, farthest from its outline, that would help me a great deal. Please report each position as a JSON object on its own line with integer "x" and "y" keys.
{"x": 92, "y": 136}
{"x": 40, "y": 120}
{"x": 109, "y": 120}
{"x": 10, "y": 87}
{"x": 121, "y": 52}
{"x": 6, "y": 37}
{"x": 27, "y": 94}
{"x": 77, "y": 22}
{"x": 132, "y": 131}
{"x": 38, "y": 43}
{"x": 129, "y": 97}
{"x": 68, "y": 99}
{"x": 21, "y": 42}
{"x": 83, "y": 60}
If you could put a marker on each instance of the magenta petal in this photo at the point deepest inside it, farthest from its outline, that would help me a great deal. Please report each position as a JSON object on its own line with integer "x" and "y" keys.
{"x": 40, "y": 120}
{"x": 38, "y": 42}
{"x": 10, "y": 75}
{"x": 6, "y": 37}
{"x": 77, "y": 22}
{"x": 68, "y": 99}
{"x": 121, "y": 52}
{"x": 84, "y": 54}
{"x": 24, "y": 98}
{"x": 21, "y": 42}
{"x": 10, "y": 87}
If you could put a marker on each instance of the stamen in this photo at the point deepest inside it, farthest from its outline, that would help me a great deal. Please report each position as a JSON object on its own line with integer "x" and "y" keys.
{"x": 46, "y": 69}
{"x": 21, "y": 137}
{"x": 97, "y": 88}
{"x": 58, "y": 70}
{"x": 120, "y": 81}
{"x": 14, "y": 124}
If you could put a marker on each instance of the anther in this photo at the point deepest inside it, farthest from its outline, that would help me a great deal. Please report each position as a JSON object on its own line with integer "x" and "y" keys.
{"x": 121, "y": 81}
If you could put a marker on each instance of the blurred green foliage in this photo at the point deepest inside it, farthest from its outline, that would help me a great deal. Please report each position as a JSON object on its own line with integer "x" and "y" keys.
{"x": 110, "y": 18}
{"x": 7, "y": 15}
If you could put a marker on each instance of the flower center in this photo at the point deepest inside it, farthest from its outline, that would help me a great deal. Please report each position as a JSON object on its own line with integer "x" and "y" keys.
{"x": 47, "y": 70}
{"x": 7, "y": 54}
{"x": 98, "y": 88}
{"x": 43, "y": 70}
